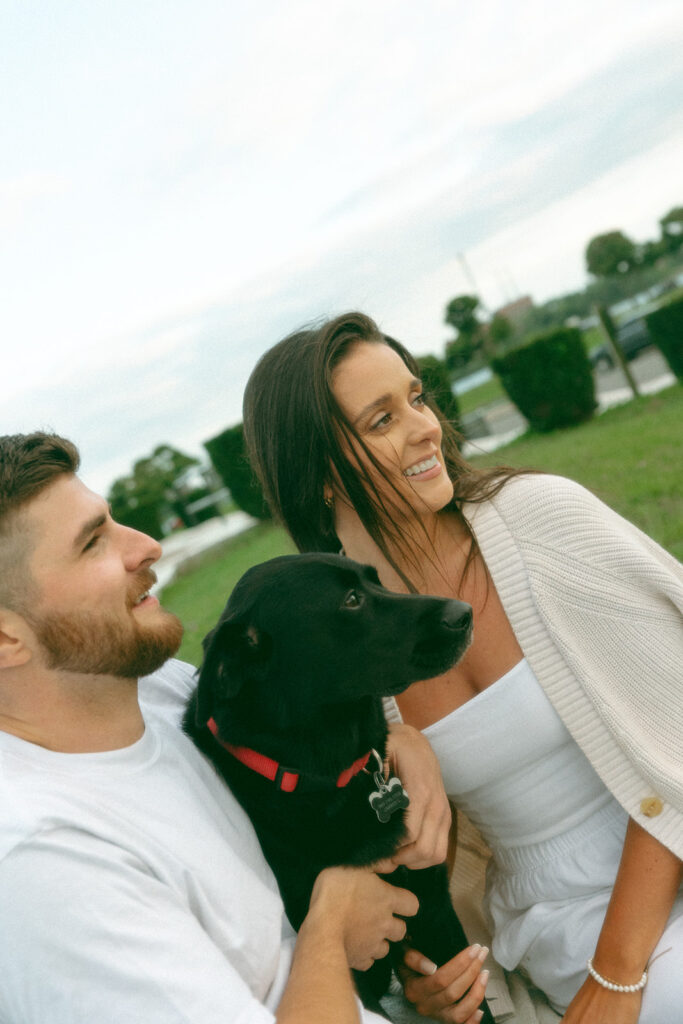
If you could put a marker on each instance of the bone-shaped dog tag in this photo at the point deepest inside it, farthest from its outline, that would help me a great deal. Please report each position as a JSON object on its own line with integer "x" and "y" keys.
{"x": 391, "y": 797}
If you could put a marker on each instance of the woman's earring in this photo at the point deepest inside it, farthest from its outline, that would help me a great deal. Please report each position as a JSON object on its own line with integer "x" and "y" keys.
{"x": 329, "y": 500}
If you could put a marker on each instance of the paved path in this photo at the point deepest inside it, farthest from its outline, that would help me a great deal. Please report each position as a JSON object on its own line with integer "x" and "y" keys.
{"x": 180, "y": 547}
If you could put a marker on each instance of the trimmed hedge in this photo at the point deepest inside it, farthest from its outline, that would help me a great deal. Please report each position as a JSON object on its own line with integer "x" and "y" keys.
{"x": 549, "y": 379}
{"x": 228, "y": 454}
{"x": 666, "y": 330}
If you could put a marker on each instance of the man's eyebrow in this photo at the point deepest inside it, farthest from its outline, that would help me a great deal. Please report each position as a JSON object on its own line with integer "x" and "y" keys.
{"x": 383, "y": 400}
{"x": 89, "y": 528}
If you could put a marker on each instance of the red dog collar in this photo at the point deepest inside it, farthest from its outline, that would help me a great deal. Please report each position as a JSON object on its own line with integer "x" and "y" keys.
{"x": 284, "y": 778}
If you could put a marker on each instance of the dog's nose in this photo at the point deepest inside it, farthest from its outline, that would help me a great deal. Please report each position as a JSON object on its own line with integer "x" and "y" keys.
{"x": 456, "y": 615}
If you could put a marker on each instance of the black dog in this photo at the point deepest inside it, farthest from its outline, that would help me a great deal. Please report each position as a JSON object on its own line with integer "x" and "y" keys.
{"x": 288, "y": 708}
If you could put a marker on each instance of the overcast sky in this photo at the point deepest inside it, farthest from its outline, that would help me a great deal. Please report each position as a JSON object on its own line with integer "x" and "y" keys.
{"x": 182, "y": 182}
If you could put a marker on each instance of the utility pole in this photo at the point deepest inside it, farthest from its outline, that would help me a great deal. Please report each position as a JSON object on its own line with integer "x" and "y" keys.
{"x": 610, "y": 333}
{"x": 472, "y": 283}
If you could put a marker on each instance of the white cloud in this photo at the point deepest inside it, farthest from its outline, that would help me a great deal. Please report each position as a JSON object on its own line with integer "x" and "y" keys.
{"x": 19, "y": 197}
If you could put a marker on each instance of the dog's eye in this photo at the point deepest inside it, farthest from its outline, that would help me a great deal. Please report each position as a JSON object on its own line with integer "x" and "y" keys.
{"x": 353, "y": 599}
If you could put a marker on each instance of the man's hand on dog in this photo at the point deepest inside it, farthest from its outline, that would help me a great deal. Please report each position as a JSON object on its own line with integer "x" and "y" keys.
{"x": 366, "y": 910}
{"x": 428, "y": 818}
{"x": 454, "y": 992}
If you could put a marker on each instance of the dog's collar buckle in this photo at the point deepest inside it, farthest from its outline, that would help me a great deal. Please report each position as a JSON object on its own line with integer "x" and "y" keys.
{"x": 285, "y": 779}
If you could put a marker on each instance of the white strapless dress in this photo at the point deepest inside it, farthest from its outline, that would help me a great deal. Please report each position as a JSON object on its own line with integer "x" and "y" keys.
{"x": 556, "y": 834}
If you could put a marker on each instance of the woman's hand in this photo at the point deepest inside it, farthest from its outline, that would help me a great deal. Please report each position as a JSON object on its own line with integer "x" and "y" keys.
{"x": 594, "y": 1004}
{"x": 428, "y": 818}
{"x": 454, "y": 992}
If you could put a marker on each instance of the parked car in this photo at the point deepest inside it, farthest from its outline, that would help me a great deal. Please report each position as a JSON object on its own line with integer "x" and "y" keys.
{"x": 632, "y": 337}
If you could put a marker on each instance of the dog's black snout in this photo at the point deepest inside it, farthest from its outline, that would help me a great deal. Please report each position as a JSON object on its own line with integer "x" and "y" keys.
{"x": 457, "y": 615}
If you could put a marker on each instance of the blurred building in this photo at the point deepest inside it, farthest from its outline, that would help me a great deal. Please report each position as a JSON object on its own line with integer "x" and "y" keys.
{"x": 516, "y": 311}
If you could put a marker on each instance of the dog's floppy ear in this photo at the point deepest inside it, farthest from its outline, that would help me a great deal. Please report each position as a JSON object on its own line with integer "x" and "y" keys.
{"x": 233, "y": 654}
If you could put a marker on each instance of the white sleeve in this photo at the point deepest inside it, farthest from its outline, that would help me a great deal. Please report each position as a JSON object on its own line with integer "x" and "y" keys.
{"x": 97, "y": 939}
{"x": 167, "y": 691}
{"x": 390, "y": 708}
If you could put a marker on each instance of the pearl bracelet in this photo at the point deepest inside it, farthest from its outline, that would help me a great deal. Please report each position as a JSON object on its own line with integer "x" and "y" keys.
{"x": 612, "y": 985}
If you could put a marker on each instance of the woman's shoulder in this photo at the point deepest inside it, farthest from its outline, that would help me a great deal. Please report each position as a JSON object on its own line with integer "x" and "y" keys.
{"x": 536, "y": 510}
{"x": 555, "y": 513}
{"x": 546, "y": 495}
{"x": 540, "y": 503}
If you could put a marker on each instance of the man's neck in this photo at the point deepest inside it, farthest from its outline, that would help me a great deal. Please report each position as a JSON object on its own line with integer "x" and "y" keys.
{"x": 73, "y": 713}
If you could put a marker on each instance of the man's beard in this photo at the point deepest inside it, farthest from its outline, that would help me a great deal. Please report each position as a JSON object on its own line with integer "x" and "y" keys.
{"x": 97, "y": 644}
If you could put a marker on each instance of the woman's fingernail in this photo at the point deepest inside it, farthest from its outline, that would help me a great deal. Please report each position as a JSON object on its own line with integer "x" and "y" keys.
{"x": 484, "y": 978}
{"x": 478, "y": 1015}
{"x": 426, "y": 966}
{"x": 483, "y": 953}
{"x": 474, "y": 951}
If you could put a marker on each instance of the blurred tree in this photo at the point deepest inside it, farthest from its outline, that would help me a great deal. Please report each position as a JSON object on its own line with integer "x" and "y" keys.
{"x": 459, "y": 353}
{"x": 461, "y": 314}
{"x": 650, "y": 252}
{"x": 672, "y": 229}
{"x": 129, "y": 509}
{"x": 157, "y": 487}
{"x": 500, "y": 331}
{"x": 610, "y": 254}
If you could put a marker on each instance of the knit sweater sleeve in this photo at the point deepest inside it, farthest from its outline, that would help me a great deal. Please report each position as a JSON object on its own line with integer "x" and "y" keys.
{"x": 597, "y": 606}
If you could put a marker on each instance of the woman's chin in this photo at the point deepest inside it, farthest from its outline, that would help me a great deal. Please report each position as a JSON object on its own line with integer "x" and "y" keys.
{"x": 436, "y": 499}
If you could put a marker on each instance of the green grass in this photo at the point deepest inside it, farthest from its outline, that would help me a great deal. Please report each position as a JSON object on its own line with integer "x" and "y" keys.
{"x": 593, "y": 338}
{"x": 484, "y": 394}
{"x": 198, "y": 595}
{"x": 631, "y": 457}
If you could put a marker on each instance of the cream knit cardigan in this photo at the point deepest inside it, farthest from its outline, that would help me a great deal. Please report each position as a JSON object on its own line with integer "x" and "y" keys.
{"x": 597, "y": 608}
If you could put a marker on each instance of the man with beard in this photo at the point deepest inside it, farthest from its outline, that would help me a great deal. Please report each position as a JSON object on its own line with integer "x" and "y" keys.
{"x": 131, "y": 883}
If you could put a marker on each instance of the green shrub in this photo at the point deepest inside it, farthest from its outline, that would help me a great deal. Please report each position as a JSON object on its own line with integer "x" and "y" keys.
{"x": 549, "y": 379}
{"x": 666, "y": 330}
{"x": 145, "y": 518}
{"x": 228, "y": 454}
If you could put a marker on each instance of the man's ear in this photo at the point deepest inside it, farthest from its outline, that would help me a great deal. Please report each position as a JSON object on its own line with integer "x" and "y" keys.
{"x": 15, "y": 636}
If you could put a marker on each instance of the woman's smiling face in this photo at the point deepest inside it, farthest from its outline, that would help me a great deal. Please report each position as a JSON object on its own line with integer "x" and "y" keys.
{"x": 385, "y": 405}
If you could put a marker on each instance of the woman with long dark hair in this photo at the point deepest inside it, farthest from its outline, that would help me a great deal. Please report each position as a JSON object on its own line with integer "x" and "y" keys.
{"x": 560, "y": 733}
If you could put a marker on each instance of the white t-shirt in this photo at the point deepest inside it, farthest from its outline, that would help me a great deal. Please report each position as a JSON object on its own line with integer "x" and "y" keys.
{"x": 133, "y": 889}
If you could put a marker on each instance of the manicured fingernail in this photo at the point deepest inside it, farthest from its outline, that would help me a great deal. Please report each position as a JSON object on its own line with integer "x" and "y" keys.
{"x": 426, "y": 966}
{"x": 474, "y": 951}
{"x": 483, "y": 953}
{"x": 484, "y": 978}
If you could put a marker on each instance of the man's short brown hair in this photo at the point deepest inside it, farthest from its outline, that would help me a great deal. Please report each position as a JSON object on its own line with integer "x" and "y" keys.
{"x": 28, "y": 464}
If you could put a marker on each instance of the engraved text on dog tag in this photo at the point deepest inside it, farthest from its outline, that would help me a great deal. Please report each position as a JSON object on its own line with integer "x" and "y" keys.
{"x": 390, "y": 797}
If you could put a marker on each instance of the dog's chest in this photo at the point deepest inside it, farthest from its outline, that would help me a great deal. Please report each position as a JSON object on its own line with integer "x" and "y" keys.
{"x": 357, "y": 825}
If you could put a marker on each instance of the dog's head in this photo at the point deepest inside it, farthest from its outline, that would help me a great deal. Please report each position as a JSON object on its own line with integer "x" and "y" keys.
{"x": 302, "y": 634}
